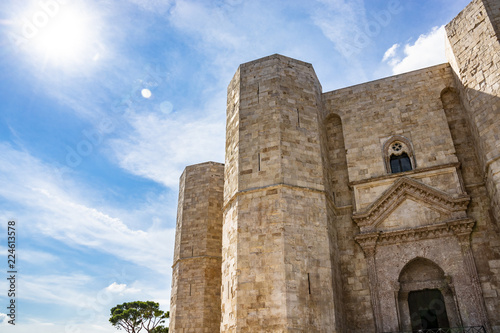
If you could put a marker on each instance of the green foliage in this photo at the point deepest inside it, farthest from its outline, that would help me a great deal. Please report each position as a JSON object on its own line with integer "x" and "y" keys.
{"x": 136, "y": 316}
{"x": 160, "y": 329}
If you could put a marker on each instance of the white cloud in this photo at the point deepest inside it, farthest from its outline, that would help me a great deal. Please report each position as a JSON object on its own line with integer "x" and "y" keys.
{"x": 57, "y": 209}
{"x": 209, "y": 21}
{"x": 102, "y": 326}
{"x": 428, "y": 50}
{"x": 157, "y": 6}
{"x": 342, "y": 23}
{"x": 182, "y": 142}
{"x": 231, "y": 32}
{"x": 47, "y": 202}
{"x": 77, "y": 292}
{"x": 3, "y": 319}
{"x": 116, "y": 288}
{"x": 39, "y": 258}
{"x": 66, "y": 290}
{"x": 70, "y": 291}
{"x": 391, "y": 52}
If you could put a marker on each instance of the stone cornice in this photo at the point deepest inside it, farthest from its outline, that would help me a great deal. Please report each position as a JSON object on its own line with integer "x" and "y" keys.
{"x": 270, "y": 187}
{"x": 406, "y": 173}
{"x": 397, "y": 193}
{"x": 194, "y": 258}
{"x": 489, "y": 163}
{"x": 459, "y": 228}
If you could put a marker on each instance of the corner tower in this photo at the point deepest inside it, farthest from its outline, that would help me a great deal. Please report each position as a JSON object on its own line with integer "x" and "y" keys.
{"x": 277, "y": 267}
{"x": 474, "y": 54}
{"x": 196, "y": 276}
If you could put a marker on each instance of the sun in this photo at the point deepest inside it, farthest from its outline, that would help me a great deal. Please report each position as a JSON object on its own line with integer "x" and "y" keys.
{"x": 64, "y": 38}
{"x": 63, "y": 33}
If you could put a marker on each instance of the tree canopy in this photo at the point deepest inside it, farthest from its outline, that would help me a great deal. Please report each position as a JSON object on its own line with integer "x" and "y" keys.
{"x": 133, "y": 317}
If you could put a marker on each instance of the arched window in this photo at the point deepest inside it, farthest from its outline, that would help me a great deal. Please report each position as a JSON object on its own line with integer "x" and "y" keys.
{"x": 398, "y": 155}
{"x": 400, "y": 163}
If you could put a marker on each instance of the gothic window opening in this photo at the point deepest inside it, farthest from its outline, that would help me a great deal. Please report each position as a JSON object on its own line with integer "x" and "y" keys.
{"x": 398, "y": 155}
{"x": 400, "y": 163}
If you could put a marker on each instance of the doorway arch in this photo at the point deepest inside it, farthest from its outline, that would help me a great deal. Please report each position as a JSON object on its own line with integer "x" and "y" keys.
{"x": 426, "y": 297}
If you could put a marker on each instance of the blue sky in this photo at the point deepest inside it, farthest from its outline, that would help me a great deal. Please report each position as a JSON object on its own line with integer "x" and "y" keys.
{"x": 103, "y": 104}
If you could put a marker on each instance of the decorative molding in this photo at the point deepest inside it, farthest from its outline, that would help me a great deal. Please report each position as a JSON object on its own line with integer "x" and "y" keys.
{"x": 463, "y": 234}
{"x": 368, "y": 242}
{"x": 459, "y": 228}
{"x": 194, "y": 258}
{"x": 406, "y": 287}
{"x": 404, "y": 187}
{"x": 489, "y": 163}
{"x": 414, "y": 172}
{"x": 251, "y": 190}
{"x": 371, "y": 241}
{"x": 475, "y": 185}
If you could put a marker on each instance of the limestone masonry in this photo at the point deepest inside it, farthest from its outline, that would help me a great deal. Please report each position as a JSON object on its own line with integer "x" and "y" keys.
{"x": 373, "y": 208}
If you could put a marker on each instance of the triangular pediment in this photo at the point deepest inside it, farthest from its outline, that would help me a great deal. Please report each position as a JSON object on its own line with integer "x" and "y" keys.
{"x": 412, "y": 213}
{"x": 414, "y": 202}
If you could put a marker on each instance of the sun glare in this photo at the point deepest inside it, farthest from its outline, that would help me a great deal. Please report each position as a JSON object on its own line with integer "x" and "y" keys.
{"x": 61, "y": 33}
{"x": 64, "y": 38}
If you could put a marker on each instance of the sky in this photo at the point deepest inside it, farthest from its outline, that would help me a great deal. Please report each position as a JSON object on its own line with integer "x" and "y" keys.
{"x": 103, "y": 103}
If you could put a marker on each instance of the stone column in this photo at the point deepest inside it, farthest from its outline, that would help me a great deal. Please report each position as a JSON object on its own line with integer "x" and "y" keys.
{"x": 368, "y": 244}
{"x": 405, "y": 318}
{"x": 463, "y": 233}
{"x": 396, "y": 288}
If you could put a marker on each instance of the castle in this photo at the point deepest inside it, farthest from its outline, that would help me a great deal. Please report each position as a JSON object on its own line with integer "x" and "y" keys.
{"x": 373, "y": 208}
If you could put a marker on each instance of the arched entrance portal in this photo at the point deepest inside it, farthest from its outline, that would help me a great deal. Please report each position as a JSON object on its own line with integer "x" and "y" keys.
{"x": 426, "y": 297}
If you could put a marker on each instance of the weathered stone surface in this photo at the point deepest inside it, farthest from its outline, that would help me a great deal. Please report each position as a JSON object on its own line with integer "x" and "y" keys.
{"x": 277, "y": 265}
{"x": 196, "y": 277}
{"x": 316, "y": 231}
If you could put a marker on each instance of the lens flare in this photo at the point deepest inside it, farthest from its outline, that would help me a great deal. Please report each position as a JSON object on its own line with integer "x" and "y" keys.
{"x": 146, "y": 93}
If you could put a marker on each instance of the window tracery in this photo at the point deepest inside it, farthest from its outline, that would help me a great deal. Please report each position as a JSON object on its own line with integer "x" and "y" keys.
{"x": 398, "y": 155}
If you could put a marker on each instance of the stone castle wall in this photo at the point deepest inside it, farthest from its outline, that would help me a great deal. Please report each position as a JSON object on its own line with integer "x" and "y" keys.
{"x": 277, "y": 267}
{"x": 474, "y": 52}
{"x": 315, "y": 232}
{"x": 196, "y": 276}
{"x": 473, "y": 37}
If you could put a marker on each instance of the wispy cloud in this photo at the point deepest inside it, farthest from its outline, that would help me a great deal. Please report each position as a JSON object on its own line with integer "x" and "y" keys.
{"x": 212, "y": 23}
{"x": 78, "y": 295}
{"x": 182, "y": 141}
{"x": 3, "y": 318}
{"x": 37, "y": 258}
{"x": 343, "y": 23}
{"x": 100, "y": 325}
{"x": 56, "y": 289}
{"x": 340, "y": 21}
{"x": 157, "y": 6}
{"x": 427, "y": 50}
{"x": 390, "y": 53}
{"x": 59, "y": 211}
